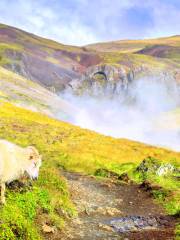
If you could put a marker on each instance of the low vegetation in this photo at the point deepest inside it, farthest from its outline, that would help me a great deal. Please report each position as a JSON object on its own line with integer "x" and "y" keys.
{"x": 133, "y": 60}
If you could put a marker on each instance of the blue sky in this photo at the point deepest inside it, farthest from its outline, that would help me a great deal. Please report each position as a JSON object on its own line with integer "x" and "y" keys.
{"x": 80, "y": 22}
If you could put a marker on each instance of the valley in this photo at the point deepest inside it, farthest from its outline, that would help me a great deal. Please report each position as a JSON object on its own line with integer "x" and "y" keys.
{"x": 106, "y": 119}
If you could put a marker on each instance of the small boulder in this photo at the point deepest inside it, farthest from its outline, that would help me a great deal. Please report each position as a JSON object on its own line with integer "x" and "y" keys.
{"x": 48, "y": 229}
{"x": 105, "y": 227}
{"x": 148, "y": 165}
{"x": 108, "y": 211}
{"x": 124, "y": 177}
{"x": 165, "y": 169}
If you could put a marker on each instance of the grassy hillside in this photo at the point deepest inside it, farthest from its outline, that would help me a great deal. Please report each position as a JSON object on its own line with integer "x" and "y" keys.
{"x": 42, "y": 60}
{"x": 134, "y": 45}
{"x": 23, "y": 92}
{"x": 43, "y": 42}
{"x": 159, "y": 49}
{"x": 63, "y": 146}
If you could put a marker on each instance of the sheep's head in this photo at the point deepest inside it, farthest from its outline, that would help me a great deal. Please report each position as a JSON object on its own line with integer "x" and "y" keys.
{"x": 34, "y": 162}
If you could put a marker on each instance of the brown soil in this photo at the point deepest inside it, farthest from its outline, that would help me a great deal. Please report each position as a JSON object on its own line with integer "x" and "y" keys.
{"x": 100, "y": 201}
{"x": 159, "y": 50}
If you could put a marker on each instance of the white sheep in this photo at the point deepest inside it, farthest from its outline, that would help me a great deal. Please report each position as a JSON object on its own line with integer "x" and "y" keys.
{"x": 15, "y": 161}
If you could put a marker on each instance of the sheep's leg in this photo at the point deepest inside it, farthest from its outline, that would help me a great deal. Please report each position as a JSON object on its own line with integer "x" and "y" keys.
{"x": 3, "y": 193}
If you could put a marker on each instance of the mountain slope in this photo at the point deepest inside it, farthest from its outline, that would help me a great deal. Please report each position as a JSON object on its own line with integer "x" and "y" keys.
{"x": 23, "y": 92}
{"x": 134, "y": 45}
{"x": 45, "y": 61}
{"x": 57, "y": 66}
{"x": 167, "y": 48}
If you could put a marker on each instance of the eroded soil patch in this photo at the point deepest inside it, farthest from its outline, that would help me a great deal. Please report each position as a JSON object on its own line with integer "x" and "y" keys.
{"x": 109, "y": 210}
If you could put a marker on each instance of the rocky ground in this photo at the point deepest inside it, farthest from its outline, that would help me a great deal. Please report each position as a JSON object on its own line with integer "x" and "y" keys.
{"x": 111, "y": 210}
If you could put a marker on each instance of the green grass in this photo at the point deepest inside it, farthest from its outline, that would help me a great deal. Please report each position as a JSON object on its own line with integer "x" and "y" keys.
{"x": 20, "y": 211}
{"x": 133, "y": 60}
{"x": 134, "y": 45}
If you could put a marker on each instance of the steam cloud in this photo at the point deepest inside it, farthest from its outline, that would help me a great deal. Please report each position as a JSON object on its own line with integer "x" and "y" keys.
{"x": 147, "y": 112}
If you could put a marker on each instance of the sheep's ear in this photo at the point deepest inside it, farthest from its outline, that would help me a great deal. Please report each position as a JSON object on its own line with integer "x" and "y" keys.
{"x": 32, "y": 148}
{"x": 32, "y": 152}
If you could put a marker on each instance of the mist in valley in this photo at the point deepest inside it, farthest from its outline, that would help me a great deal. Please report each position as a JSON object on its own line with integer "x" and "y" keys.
{"x": 148, "y": 111}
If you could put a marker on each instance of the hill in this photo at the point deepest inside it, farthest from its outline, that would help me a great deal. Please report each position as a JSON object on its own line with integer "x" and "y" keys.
{"x": 45, "y": 61}
{"x": 23, "y": 92}
{"x": 133, "y": 46}
{"x": 57, "y": 66}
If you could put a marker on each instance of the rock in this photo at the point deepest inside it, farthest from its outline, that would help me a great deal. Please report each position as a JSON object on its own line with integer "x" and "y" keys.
{"x": 154, "y": 166}
{"x": 48, "y": 229}
{"x": 152, "y": 222}
{"x": 135, "y": 223}
{"x": 119, "y": 201}
{"x": 108, "y": 211}
{"x": 165, "y": 169}
{"x": 104, "y": 80}
{"x": 113, "y": 211}
{"x": 149, "y": 187}
{"x": 164, "y": 222}
{"x": 146, "y": 185}
{"x": 108, "y": 185}
{"x": 148, "y": 165}
{"x": 105, "y": 227}
{"x": 77, "y": 221}
{"x": 124, "y": 177}
{"x": 61, "y": 212}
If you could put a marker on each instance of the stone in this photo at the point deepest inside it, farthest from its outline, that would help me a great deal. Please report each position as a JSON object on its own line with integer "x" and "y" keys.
{"x": 108, "y": 211}
{"x": 154, "y": 166}
{"x": 105, "y": 227}
{"x": 103, "y": 80}
{"x": 165, "y": 169}
{"x": 152, "y": 222}
{"x": 148, "y": 165}
{"x": 124, "y": 177}
{"x": 48, "y": 229}
{"x": 77, "y": 221}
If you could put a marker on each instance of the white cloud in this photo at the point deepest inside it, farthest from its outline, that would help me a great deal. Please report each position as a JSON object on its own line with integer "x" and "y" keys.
{"x": 80, "y": 22}
{"x": 165, "y": 16}
{"x": 42, "y": 20}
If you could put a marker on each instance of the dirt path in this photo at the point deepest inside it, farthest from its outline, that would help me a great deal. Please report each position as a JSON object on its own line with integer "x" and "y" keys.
{"x": 108, "y": 210}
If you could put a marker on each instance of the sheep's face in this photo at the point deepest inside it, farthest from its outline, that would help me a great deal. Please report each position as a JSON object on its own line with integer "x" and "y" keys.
{"x": 34, "y": 162}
